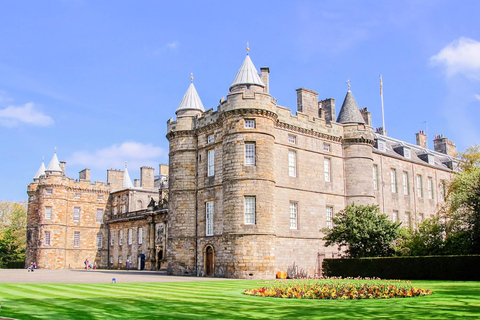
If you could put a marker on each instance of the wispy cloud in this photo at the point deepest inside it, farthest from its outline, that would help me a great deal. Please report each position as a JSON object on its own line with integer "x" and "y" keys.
{"x": 477, "y": 96}
{"x": 169, "y": 46}
{"x": 460, "y": 57}
{"x": 13, "y": 116}
{"x": 137, "y": 154}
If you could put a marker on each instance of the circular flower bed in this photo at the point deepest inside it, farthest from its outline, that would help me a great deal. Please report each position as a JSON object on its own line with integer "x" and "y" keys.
{"x": 337, "y": 288}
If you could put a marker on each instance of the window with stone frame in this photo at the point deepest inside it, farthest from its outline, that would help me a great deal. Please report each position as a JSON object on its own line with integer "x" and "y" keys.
{"x": 123, "y": 208}
{"x": 130, "y": 236}
{"x": 250, "y": 210}
{"x": 419, "y": 186}
{"x": 100, "y": 197}
{"x": 406, "y": 183}
{"x": 99, "y": 240}
{"x": 293, "y": 215}
{"x": 77, "y": 195}
{"x": 393, "y": 180}
{"x": 250, "y": 153}
{"x": 76, "y": 214}
{"x": 210, "y": 139}
{"x": 211, "y": 163}
{"x": 408, "y": 220}
{"x": 48, "y": 213}
{"x": 111, "y": 259}
{"x": 120, "y": 259}
{"x": 443, "y": 190}
{"x": 249, "y": 124}
{"x": 326, "y": 147}
{"x": 375, "y": 177}
{"x": 209, "y": 209}
{"x": 329, "y": 217}
{"x": 115, "y": 211}
{"x": 47, "y": 238}
{"x": 49, "y": 192}
{"x": 292, "y": 163}
{"x": 76, "y": 239}
{"x": 140, "y": 235}
{"x": 327, "y": 169}
{"x": 292, "y": 139}
{"x": 112, "y": 238}
{"x": 120, "y": 237}
{"x": 430, "y": 187}
{"x": 100, "y": 215}
{"x": 395, "y": 216}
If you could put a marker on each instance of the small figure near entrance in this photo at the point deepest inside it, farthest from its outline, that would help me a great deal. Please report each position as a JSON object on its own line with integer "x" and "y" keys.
{"x": 31, "y": 267}
{"x": 95, "y": 265}
{"x": 87, "y": 264}
{"x": 128, "y": 264}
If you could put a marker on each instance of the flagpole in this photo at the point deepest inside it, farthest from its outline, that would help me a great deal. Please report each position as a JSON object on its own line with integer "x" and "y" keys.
{"x": 383, "y": 112}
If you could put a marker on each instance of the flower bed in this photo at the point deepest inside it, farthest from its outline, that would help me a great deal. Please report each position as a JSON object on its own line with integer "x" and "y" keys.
{"x": 337, "y": 288}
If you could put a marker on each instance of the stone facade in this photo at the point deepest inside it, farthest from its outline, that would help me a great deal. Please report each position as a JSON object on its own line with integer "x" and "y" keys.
{"x": 242, "y": 215}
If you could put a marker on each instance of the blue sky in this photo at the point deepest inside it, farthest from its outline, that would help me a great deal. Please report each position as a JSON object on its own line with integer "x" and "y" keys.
{"x": 99, "y": 79}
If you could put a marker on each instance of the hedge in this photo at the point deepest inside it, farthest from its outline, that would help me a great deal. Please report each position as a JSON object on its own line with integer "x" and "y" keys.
{"x": 465, "y": 267}
{"x": 16, "y": 264}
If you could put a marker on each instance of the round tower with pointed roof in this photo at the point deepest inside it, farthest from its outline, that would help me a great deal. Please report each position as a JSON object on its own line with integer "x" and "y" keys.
{"x": 358, "y": 141}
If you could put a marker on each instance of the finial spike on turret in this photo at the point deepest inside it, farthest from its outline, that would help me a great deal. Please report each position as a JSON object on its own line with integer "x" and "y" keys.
{"x": 348, "y": 83}
{"x": 43, "y": 159}
{"x": 191, "y": 77}
{"x": 248, "y": 48}
{"x": 125, "y": 164}
{"x": 55, "y": 150}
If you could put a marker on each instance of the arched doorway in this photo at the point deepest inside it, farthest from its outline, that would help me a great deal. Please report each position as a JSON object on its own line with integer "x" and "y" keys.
{"x": 209, "y": 261}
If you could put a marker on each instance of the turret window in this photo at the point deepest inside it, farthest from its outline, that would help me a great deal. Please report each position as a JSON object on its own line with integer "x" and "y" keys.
{"x": 76, "y": 214}
{"x": 76, "y": 239}
{"x": 49, "y": 191}
{"x": 250, "y": 210}
{"x": 326, "y": 167}
{"x": 249, "y": 124}
{"x": 293, "y": 215}
{"x": 292, "y": 163}
{"x": 100, "y": 215}
{"x": 99, "y": 240}
{"x": 211, "y": 163}
{"x": 210, "y": 139}
{"x": 250, "y": 153}
{"x": 47, "y": 238}
{"x": 209, "y": 218}
{"x": 48, "y": 213}
{"x": 292, "y": 139}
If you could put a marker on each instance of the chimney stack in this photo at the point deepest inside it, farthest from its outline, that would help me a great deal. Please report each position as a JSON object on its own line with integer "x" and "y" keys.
{"x": 328, "y": 107}
{"x": 84, "y": 175}
{"x": 307, "y": 102}
{"x": 136, "y": 183}
{"x": 445, "y": 146}
{"x": 265, "y": 76}
{"x": 147, "y": 178}
{"x": 421, "y": 139}
{"x": 164, "y": 169}
{"x": 63, "y": 165}
{"x": 367, "y": 116}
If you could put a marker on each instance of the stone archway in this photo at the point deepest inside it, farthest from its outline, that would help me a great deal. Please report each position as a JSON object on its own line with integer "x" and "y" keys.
{"x": 209, "y": 261}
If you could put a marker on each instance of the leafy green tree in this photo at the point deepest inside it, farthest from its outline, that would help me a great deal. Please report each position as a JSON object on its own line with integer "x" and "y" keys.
{"x": 363, "y": 231}
{"x": 13, "y": 223}
{"x": 426, "y": 240}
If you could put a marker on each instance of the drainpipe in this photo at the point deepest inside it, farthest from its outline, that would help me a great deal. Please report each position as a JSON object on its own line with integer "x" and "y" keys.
{"x": 196, "y": 194}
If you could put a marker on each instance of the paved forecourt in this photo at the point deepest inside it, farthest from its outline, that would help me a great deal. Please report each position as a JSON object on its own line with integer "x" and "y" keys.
{"x": 92, "y": 276}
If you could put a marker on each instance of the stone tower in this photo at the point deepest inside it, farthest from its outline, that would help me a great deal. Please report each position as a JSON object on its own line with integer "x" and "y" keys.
{"x": 358, "y": 141}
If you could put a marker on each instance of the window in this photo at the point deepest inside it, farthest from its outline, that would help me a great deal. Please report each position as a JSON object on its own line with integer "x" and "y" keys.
{"x": 111, "y": 259}
{"x": 49, "y": 191}
{"x": 292, "y": 139}
{"x": 430, "y": 187}
{"x": 100, "y": 215}
{"x": 130, "y": 236}
{"x": 375, "y": 177}
{"x": 76, "y": 214}
{"x": 120, "y": 259}
{"x": 120, "y": 237}
{"x": 407, "y": 153}
{"x": 393, "y": 180}
{"x": 140, "y": 235}
{"x": 100, "y": 197}
{"x": 326, "y": 147}
{"x": 124, "y": 197}
{"x": 250, "y": 153}
{"x": 328, "y": 217}
{"x": 48, "y": 213}
{"x": 293, "y": 215}
{"x": 249, "y": 210}
{"x": 406, "y": 189}
{"x": 112, "y": 238}
{"x": 77, "y": 195}
{"x": 124, "y": 208}
{"x": 408, "y": 221}
{"x": 249, "y": 124}
{"x": 210, "y": 139}
{"x": 419, "y": 186}
{"x": 421, "y": 217}
{"x": 47, "y": 238}
{"x": 115, "y": 199}
{"x": 211, "y": 163}
{"x": 209, "y": 218}
{"x": 99, "y": 240}
{"x": 292, "y": 163}
{"x": 76, "y": 238}
{"x": 326, "y": 166}
{"x": 115, "y": 210}
{"x": 32, "y": 198}
{"x": 443, "y": 190}
{"x": 381, "y": 145}
{"x": 395, "y": 216}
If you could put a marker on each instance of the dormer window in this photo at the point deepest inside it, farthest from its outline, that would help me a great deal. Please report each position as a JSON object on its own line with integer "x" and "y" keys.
{"x": 381, "y": 145}
{"x": 249, "y": 124}
{"x": 407, "y": 153}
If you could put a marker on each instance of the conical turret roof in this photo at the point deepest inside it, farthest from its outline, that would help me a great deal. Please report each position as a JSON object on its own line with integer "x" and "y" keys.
{"x": 350, "y": 112}
{"x": 54, "y": 164}
{"x": 127, "y": 182}
{"x": 191, "y": 100}
{"x": 247, "y": 74}
{"x": 40, "y": 171}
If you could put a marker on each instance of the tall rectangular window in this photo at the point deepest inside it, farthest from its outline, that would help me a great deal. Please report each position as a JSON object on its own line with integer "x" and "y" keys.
{"x": 120, "y": 237}
{"x": 211, "y": 163}
{"x": 326, "y": 168}
{"x": 99, "y": 240}
{"x": 124, "y": 208}
{"x": 112, "y": 238}
{"x": 430, "y": 187}
{"x": 76, "y": 238}
{"x": 443, "y": 190}
{"x": 140, "y": 235}
{"x": 99, "y": 215}
{"x": 395, "y": 216}
{"x": 47, "y": 238}
{"x": 250, "y": 153}
{"x": 76, "y": 214}
{"x": 115, "y": 211}
{"x": 292, "y": 163}
{"x": 293, "y": 215}
{"x": 328, "y": 217}
{"x": 130, "y": 236}
{"x": 393, "y": 180}
{"x": 408, "y": 219}
{"x": 419, "y": 186}
{"x": 209, "y": 218}
{"x": 48, "y": 213}
{"x": 406, "y": 189}
{"x": 249, "y": 124}
{"x": 249, "y": 210}
{"x": 100, "y": 197}
{"x": 375, "y": 177}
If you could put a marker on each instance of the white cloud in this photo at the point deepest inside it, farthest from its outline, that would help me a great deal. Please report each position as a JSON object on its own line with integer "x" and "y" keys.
{"x": 462, "y": 56}
{"x": 172, "y": 45}
{"x": 477, "y": 96}
{"x": 27, "y": 114}
{"x": 137, "y": 154}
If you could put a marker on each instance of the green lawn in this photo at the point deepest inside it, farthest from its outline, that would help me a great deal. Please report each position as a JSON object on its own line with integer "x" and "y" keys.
{"x": 223, "y": 300}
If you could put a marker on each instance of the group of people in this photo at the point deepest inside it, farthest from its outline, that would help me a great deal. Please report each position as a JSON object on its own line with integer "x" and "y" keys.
{"x": 32, "y": 267}
{"x": 89, "y": 265}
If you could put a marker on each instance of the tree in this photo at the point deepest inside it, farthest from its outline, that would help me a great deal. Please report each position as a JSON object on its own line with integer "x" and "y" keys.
{"x": 470, "y": 158}
{"x": 363, "y": 231}
{"x": 13, "y": 223}
{"x": 426, "y": 240}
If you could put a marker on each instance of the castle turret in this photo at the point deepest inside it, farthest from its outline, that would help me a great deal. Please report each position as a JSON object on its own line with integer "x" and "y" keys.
{"x": 54, "y": 166}
{"x": 40, "y": 172}
{"x": 358, "y": 139}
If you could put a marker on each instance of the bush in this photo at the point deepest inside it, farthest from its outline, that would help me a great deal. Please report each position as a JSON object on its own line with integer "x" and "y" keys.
{"x": 16, "y": 264}
{"x": 466, "y": 267}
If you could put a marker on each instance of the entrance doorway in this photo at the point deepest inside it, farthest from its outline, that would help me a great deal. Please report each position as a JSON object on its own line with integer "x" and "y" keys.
{"x": 141, "y": 262}
{"x": 209, "y": 263}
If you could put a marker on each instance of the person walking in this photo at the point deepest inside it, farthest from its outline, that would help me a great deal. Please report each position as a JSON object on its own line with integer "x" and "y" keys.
{"x": 87, "y": 264}
{"x": 128, "y": 264}
{"x": 95, "y": 265}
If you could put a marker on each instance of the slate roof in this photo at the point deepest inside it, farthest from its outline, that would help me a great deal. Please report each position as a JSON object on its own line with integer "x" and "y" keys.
{"x": 349, "y": 113}
{"x": 247, "y": 74}
{"x": 54, "y": 164}
{"x": 127, "y": 182}
{"x": 191, "y": 100}
{"x": 40, "y": 171}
